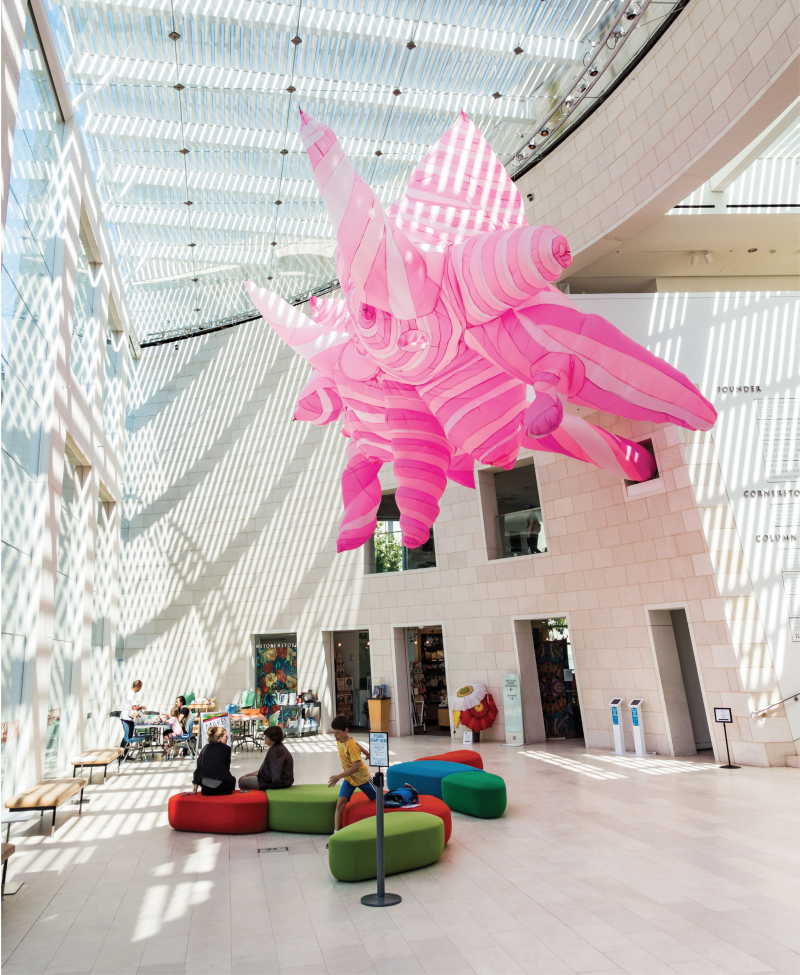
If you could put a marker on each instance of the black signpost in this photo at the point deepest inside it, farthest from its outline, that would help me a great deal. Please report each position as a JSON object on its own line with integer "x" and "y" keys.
{"x": 379, "y": 758}
{"x": 724, "y": 717}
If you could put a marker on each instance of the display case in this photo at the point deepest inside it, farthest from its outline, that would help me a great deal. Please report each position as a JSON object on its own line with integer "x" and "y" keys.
{"x": 344, "y": 686}
{"x": 434, "y": 679}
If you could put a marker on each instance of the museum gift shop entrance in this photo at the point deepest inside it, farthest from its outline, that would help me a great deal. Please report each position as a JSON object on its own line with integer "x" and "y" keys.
{"x": 352, "y": 675}
{"x": 427, "y": 680}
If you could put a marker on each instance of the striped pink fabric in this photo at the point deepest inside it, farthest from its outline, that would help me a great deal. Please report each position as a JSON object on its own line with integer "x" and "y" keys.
{"x": 449, "y": 314}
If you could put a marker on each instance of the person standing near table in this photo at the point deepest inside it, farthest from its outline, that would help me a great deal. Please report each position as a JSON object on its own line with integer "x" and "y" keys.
{"x": 131, "y": 706}
{"x": 277, "y": 769}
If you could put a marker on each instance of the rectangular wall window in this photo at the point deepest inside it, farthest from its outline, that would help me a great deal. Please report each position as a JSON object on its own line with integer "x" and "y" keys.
{"x": 390, "y": 553}
{"x": 27, "y": 331}
{"x": 83, "y": 354}
{"x": 519, "y": 520}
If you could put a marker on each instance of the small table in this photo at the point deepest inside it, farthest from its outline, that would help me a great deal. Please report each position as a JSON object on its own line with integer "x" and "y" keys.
{"x": 201, "y": 708}
{"x": 249, "y": 735}
{"x": 159, "y": 726}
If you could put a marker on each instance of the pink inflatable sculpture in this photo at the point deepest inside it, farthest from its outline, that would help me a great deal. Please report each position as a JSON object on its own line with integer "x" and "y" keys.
{"x": 449, "y": 316}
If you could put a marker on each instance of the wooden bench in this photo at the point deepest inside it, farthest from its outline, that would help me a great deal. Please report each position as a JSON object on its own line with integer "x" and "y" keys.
{"x": 8, "y": 849}
{"x": 49, "y": 794}
{"x": 95, "y": 758}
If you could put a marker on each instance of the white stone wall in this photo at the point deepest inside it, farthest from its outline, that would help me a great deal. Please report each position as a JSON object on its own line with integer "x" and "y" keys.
{"x": 234, "y": 517}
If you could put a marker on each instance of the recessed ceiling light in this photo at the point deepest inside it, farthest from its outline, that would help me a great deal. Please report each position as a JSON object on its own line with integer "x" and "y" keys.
{"x": 378, "y": 152}
{"x": 278, "y": 203}
{"x": 291, "y": 89}
{"x": 496, "y": 95}
{"x": 752, "y": 250}
{"x": 184, "y": 151}
{"x": 193, "y": 245}
{"x": 178, "y": 87}
{"x": 284, "y": 152}
{"x": 188, "y": 203}
{"x": 531, "y": 145}
{"x": 594, "y": 71}
{"x": 174, "y": 35}
{"x": 411, "y": 45}
{"x": 517, "y": 50}
{"x": 397, "y": 91}
{"x": 297, "y": 40}
{"x": 544, "y": 132}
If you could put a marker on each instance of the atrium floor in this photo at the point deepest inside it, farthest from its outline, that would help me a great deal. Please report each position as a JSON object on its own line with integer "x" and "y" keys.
{"x": 600, "y": 864}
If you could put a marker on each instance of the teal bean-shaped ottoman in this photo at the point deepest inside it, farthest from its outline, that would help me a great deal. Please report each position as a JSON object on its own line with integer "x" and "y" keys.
{"x": 475, "y": 793}
{"x": 411, "y": 841}
{"x": 302, "y": 809}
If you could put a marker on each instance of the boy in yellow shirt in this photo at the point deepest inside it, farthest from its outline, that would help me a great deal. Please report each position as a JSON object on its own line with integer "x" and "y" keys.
{"x": 355, "y": 774}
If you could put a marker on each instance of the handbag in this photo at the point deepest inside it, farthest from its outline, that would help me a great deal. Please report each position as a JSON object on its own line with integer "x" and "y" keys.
{"x": 399, "y": 798}
{"x": 211, "y": 783}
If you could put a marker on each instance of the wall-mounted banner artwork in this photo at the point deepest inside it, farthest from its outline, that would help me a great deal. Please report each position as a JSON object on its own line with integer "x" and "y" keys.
{"x": 450, "y": 319}
{"x": 276, "y": 669}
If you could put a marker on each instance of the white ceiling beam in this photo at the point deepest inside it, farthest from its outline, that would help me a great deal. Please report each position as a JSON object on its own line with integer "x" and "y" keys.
{"x": 144, "y": 216}
{"x": 375, "y": 29}
{"x": 211, "y": 254}
{"x": 92, "y": 68}
{"x": 726, "y": 177}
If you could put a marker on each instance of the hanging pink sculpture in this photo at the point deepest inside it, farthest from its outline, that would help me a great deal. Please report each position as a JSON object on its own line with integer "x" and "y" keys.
{"x": 449, "y": 315}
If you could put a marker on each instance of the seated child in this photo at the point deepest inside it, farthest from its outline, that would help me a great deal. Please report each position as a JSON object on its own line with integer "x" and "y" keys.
{"x": 173, "y": 719}
{"x": 355, "y": 774}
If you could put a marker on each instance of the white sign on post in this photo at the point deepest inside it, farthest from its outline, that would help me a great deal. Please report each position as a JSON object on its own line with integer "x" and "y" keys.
{"x": 467, "y": 736}
{"x": 512, "y": 708}
{"x": 220, "y": 720}
{"x": 379, "y": 749}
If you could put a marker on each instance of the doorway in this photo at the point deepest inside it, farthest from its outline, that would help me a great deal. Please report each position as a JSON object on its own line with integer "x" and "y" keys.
{"x": 427, "y": 679}
{"x": 687, "y": 719}
{"x": 555, "y": 669}
{"x": 353, "y": 676}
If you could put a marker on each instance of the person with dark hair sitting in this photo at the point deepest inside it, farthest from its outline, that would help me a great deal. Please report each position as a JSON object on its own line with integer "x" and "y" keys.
{"x": 213, "y": 772}
{"x": 277, "y": 769}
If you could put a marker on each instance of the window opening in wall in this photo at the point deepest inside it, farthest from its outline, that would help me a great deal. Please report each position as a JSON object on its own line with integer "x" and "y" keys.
{"x": 276, "y": 686}
{"x": 353, "y": 675}
{"x": 427, "y": 680}
{"x": 84, "y": 349}
{"x": 520, "y": 524}
{"x": 390, "y": 553}
{"x": 648, "y": 446}
{"x": 555, "y": 668}
{"x": 680, "y": 682}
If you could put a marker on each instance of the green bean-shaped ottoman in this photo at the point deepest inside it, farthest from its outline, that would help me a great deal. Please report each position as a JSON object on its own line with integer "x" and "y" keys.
{"x": 302, "y": 809}
{"x": 409, "y": 842}
{"x": 474, "y": 793}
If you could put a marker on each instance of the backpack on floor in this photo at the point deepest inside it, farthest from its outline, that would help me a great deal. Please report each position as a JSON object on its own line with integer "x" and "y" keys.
{"x": 405, "y": 796}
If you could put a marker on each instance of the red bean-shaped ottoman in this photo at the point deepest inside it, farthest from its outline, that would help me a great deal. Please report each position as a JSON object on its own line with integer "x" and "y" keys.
{"x": 360, "y": 808}
{"x": 464, "y": 756}
{"x": 240, "y": 812}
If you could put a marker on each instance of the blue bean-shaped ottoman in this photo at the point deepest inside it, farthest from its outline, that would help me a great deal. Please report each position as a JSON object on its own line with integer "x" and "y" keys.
{"x": 426, "y": 777}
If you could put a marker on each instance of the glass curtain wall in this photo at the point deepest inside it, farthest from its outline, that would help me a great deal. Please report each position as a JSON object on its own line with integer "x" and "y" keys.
{"x": 65, "y": 621}
{"x": 28, "y": 297}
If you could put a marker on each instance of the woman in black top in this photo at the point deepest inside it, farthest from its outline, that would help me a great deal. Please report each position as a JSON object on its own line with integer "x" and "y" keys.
{"x": 180, "y": 702}
{"x": 213, "y": 772}
{"x": 277, "y": 769}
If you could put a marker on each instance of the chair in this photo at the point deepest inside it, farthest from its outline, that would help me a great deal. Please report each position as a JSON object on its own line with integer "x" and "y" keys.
{"x": 184, "y": 741}
{"x": 134, "y": 743}
{"x": 189, "y": 698}
{"x": 247, "y": 699}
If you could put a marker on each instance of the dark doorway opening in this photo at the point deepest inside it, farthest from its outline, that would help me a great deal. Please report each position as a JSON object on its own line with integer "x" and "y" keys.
{"x": 556, "y": 671}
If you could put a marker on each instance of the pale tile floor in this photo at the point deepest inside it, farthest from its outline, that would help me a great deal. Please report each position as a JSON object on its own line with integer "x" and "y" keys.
{"x": 599, "y": 865}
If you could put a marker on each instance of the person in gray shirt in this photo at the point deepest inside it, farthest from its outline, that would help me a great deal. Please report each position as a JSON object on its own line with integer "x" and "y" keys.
{"x": 277, "y": 769}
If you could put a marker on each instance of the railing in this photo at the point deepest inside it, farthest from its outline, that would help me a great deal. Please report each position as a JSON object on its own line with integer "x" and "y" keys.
{"x": 590, "y": 87}
{"x": 190, "y": 331}
{"x": 791, "y": 697}
{"x": 521, "y": 533}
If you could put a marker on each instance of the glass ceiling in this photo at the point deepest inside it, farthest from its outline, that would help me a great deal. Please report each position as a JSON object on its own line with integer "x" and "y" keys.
{"x": 189, "y": 113}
